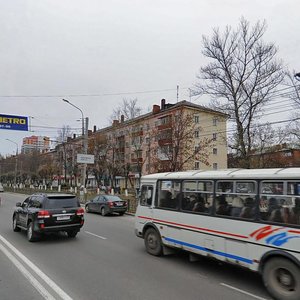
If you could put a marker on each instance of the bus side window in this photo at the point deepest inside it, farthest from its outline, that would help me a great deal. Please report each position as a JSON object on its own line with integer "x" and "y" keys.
{"x": 146, "y": 195}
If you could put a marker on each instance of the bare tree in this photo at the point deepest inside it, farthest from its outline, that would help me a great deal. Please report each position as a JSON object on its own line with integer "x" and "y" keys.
{"x": 140, "y": 140}
{"x": 294, "y": 85}
{"x": 241, "y": 77}
{"x": 98, "y": 146}
{"x": 64, "y": 133}
{"x": 265, "y": 140}
{"x": 115, "y": 161}
{"x": 293, "y": 129}
{"x": 128, "y": 108}
{"x": 175, "y": 147}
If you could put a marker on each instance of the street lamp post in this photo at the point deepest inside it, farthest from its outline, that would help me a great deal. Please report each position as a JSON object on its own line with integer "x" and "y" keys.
{"x": 84, "y": 140}
{"x": 16, "y": 165}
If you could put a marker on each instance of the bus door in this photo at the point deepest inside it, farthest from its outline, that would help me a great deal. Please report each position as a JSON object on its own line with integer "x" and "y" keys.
{"x": 165, "y": 212}
{"x": 144, "y": 212}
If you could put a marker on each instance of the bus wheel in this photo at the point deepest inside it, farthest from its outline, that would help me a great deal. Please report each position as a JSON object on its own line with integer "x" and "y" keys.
{"x": 153, "y": 242}
{"x": 282, "y": 279}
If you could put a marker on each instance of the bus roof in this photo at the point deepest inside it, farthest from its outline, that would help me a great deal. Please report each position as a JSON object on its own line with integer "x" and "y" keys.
{"x": 287, "y": 173}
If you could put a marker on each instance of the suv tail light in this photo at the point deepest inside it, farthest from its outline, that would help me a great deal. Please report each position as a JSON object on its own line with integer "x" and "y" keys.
{"x": 80, "y": 211}
{"x": 110, "y": 204}
{"x": 42, "y": 214}
{"x": 125, "y": 203}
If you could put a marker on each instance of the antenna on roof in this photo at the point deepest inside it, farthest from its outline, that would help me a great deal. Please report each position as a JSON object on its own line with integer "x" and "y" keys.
{"x": 177, "y": 92}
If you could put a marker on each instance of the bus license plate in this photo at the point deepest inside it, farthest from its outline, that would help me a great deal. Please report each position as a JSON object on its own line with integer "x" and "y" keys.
{"x": 61, "y": 218}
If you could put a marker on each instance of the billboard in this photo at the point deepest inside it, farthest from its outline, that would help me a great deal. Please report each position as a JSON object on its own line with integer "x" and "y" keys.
{"x": 85, "y": 158}
{"x": 11, "y": 122}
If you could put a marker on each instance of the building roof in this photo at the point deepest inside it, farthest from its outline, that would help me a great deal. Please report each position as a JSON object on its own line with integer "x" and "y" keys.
{"x": 168, "y": 107}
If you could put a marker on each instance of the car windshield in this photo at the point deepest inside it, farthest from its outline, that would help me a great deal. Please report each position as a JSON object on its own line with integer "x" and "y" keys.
{"x": 61, "y": 203}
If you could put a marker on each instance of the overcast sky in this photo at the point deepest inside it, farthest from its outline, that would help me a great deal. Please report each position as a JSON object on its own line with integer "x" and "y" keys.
{"x": 95, "y": 53}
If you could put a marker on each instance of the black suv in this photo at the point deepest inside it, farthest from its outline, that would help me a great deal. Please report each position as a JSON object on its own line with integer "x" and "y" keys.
{"x": 41, "y": 213}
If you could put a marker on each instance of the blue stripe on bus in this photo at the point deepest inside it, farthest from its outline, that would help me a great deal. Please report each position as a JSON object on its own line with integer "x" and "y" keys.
{"x": 227, "y": 255}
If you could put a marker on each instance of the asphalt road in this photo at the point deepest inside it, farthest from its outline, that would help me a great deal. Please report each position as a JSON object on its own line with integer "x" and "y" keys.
{"x": 107, "y": 261}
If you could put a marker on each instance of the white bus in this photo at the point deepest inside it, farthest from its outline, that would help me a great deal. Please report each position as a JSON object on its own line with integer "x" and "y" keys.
{"x": 248, "y": 217}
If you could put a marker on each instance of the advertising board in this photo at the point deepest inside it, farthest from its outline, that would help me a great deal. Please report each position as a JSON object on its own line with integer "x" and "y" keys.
{"x": 12, "y": 122}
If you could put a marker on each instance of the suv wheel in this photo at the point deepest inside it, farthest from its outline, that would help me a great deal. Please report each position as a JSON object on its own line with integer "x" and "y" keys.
{"x": 31, "y": 234}
{"x": 87, "y": 209}
{"x": 15, "y": 226}
{"x": 103, "y": 211}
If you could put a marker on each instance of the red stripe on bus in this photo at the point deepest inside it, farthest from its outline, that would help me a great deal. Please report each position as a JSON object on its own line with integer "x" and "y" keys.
{"x": 294, "y": 231}
{"x": 198, "y": 228}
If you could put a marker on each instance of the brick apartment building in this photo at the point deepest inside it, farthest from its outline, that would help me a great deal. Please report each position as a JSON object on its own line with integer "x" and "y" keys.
{"x": 172, "y": 137}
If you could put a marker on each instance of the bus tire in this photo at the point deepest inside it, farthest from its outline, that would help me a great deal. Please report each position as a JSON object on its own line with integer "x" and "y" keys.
{"x": 153, "y": 242}
{"x": 282, "y": 279}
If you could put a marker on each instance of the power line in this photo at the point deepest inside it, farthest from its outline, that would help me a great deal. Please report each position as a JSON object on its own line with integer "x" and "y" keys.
{"x": 91, "y": 95}
{"x": 53, "y": 127}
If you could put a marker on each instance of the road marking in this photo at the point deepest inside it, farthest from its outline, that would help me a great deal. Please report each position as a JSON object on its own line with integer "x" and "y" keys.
{"x": 98, "y": 236}
{"x": 44, "y": 293}
{"x": 242, "y": 291}
{"x": 40, "y": 274}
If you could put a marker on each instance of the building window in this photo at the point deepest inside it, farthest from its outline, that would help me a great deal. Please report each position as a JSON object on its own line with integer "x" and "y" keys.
{"x": 197, "y": 165}
{"x": 197, "y": 149}
{"x": 214, "y": 137}
{"x": 215, "y": 151}
{"x": 165, "y": 120}
{"x": 215, "y": 121}
{"x": 196, "y": 134}
{"x": 215, "y": 166}
{"x": 196, "y": 119}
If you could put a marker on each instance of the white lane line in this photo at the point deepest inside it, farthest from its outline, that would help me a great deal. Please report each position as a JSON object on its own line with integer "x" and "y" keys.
{"x": 98, "y": 236}
{"x": 40, "y": 274}
{"x": 44, "y": 293}
{"x": 243, "y": 292}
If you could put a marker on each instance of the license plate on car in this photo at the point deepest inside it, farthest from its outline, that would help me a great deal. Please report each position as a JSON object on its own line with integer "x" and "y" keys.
{"x": 61, "y": 218}
{"x": 119, "y": 203}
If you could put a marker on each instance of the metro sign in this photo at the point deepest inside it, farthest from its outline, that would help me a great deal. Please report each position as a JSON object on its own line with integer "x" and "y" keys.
{"x": 11, "y": 122}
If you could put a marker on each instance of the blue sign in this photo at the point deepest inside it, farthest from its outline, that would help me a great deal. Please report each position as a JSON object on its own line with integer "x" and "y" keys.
{"x": 13, "y": 122}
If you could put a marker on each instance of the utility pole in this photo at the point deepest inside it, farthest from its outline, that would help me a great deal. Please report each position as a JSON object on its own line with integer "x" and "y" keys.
{"x": 84, "y": 140}
{"x": 85, "y": 146}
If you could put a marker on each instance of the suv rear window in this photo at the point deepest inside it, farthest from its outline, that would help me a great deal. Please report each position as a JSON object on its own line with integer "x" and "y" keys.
{"x": 60, "y": 202}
